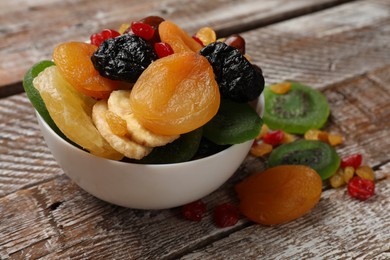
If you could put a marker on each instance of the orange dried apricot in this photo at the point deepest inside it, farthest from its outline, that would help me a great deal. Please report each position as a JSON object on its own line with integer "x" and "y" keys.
{"x": 279, "y": 194}
{"x": 73, "y": 60}
{"x": 177, "y": 38}
{"x": 175, "y": 94}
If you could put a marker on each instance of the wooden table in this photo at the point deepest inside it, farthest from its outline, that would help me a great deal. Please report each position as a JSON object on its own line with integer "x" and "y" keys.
{"x": 341, "y": 47}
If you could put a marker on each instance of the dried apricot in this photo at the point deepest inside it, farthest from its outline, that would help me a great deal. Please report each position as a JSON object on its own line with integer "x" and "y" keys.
{"x": 178, "y": 39}
{"x": 73, "y": 60}
{"x": 175, "y": 94}
{"x": 279, "y": 194}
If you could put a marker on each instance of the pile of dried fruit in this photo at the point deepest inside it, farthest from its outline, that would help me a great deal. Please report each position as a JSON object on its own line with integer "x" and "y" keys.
{"x": 149, "y": 90}
{"x": 300, "y": 157}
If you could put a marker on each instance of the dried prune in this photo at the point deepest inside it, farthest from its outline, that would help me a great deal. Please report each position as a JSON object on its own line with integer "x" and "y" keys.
{"x": 123, "y": 58}
{"x": 237, "y": 78}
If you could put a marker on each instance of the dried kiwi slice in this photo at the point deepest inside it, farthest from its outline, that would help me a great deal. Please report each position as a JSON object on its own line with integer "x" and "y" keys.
{"x": 300, "y": 109}
{"x": 34, "y": 96}
{"x": 180, "y": 150}
{"x": 315, "y": 154}
{"x": 234, "y": 123}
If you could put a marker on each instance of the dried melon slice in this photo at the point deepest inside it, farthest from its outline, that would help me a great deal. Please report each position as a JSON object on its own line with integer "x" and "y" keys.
{"x": 71, "y": 111}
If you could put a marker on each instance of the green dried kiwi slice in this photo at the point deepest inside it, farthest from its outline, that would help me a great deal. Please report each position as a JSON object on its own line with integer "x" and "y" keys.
{"x": 234, "y": 123}
{"x": 34, "y": 96}
{"x": 300, "y": 109}
{"x": 317, "y": 155}
{"x": 181, "y": 150}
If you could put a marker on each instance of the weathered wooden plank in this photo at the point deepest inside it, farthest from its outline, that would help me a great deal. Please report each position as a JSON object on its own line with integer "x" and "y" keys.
{"x": 84, "y": 227}
{"x": 25, "y": 158}
{"x": 338, "y": 227}
{"x": 326, "y": 47}
{"x": 90, "y": 228}
{"x": 24, "y": 223}
{"x": 29, "y": 30}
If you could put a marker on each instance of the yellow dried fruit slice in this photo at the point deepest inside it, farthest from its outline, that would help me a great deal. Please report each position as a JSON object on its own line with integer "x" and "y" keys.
{"x": 119, "y": 103}
{"x": 122, "y": 144}
{"x": 71, "y": 111}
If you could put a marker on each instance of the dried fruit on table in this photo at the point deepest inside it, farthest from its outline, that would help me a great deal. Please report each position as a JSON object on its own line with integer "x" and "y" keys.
{"x": 337, "y": 179}
{"x": 315, "y": 154}
{"x": 280, "y": 194}
{"x": 175, "y": 94}
{"x": 178, "y": 39}
{"x": 194, "y": 211}
{"x": 259, "y": 149}
{"x": 123, "y": 58}
{"x": 361, "y": 189}
{"x": 354, "y": 160}
{"x": 274, "y": 137}
{"x": 71, "y": 111}
{"x": 73, "y": 60}
{"x": 297, "y": 111}
{"x": 348, "y": 173}
{"x": 281, "y": 88}
{"x": 226, "y": 215}
{"x": 237, "y": 79}
{"x": 365, "y": 172}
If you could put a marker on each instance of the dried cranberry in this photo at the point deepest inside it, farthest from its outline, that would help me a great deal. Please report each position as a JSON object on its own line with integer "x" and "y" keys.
{"x": 226, "y": 215}
{"x": 273, "y": 137}
{"x": 163, "y": 49}
{"x": 194, "y": 211}
{"x": 142, "y": 30}
{"x": 354, "y": 160}
{"x": 360, "y": 188}
{"x": 198, "y": 40}
{"x": 98, "y": 38}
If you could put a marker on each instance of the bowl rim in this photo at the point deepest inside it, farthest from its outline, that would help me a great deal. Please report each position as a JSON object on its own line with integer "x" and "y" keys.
{"x": 254, "y": 104}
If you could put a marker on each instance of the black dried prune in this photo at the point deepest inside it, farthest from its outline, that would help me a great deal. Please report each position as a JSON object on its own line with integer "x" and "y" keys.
{"x": 237, "y": 78}
{"x": 123, "y": 58}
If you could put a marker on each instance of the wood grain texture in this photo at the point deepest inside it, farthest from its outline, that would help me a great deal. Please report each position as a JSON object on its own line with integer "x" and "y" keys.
{"x": 342, "y": 43}
{"x": 29, "y": 30}
{"x": 45, "y": 215}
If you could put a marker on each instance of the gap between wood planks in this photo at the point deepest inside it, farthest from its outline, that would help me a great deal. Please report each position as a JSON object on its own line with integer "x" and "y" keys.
{"x": 17, "y": 87}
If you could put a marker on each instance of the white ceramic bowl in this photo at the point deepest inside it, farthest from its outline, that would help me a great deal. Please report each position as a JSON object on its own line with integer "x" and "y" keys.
{"x": 142, "y": 186}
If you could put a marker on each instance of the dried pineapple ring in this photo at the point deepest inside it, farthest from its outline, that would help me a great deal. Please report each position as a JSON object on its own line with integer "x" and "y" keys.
{"x": 119, "y": 103}
{"x": 143, "y": 136}
{"x": 123, "y": 145}
{"x": 71, "y": 111}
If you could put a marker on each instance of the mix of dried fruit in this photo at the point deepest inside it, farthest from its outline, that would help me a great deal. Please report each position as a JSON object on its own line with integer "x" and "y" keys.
{"x": 148, "y": 90}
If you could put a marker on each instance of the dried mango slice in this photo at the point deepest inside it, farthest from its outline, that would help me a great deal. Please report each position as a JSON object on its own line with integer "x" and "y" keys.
{"x": 71, "y": 111}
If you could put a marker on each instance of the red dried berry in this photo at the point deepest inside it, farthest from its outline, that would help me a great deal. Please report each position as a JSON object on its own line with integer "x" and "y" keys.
{"x": 194, "y": 211}
{"x": 226, "y": 215}
{"x": 98, "y": 38}
{"x": 354, "y": 160}
{"x": 360, "y": 188}
{"x": 163, "y": 49}
{"x": 273, "y": 137}
{"x": 198, "y": 40}
{"x": 142, "y": 30}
